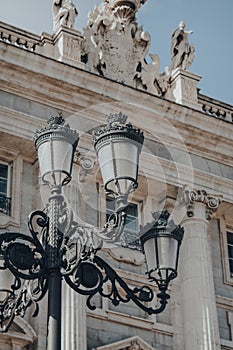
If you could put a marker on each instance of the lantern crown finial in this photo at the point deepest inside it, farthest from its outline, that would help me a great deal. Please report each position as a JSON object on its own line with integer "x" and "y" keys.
{"x": 117, "y": 124}
{"x": 117, "y": 118}
{"x": 162, "y": 225}
{"x": 56, "y": 120}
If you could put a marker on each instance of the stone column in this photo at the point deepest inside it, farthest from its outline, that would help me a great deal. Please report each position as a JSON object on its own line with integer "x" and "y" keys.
{"x": 198, "y": 292}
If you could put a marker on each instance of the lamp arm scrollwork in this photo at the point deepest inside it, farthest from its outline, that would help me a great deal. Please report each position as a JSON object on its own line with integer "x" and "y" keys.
{"x": 15, "y": 304}
{"x": 97, "y": 276}
{"x": 25, "y": 259}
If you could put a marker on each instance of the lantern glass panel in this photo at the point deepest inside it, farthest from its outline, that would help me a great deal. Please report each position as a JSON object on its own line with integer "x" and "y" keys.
{"x": 118, "y": 160}
{"x": 167, "y": 252}
{"x": 150, "y": 253}
{"x": 55, "y": 158}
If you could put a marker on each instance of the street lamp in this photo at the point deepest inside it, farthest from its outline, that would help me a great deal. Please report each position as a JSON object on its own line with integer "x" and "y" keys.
{"x": 61, "y": 248}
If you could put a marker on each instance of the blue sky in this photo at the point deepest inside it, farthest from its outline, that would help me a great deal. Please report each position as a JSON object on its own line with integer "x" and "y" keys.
{"x": 210, "y": 20}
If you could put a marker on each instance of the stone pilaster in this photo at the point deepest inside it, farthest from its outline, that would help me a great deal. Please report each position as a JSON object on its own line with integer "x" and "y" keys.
{"x": 198, "y": 292}
{"x": 184, "y": 88}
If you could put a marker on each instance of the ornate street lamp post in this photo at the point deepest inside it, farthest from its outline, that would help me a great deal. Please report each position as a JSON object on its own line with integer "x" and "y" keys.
{"x": 61, "y": 248}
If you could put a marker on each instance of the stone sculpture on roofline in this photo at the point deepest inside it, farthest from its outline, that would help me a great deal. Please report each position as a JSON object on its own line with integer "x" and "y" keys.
{"x": 64, "y": 14}
{"x": 182, "y": 54}
{"x": 113, "y": 45}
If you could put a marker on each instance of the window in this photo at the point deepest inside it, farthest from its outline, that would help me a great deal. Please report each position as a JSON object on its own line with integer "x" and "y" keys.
{"x": 131, "y": 224}
{"x": 230, "y": 251}
{"x": 5, "y": 200}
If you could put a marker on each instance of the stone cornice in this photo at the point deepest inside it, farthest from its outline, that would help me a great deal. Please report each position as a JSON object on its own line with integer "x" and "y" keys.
{"x": 73, "y": 89}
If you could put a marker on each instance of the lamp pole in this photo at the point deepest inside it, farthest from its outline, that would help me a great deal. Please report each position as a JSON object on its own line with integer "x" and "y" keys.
{"x": 59, "y": 247}
{"x": 54, "y": 275}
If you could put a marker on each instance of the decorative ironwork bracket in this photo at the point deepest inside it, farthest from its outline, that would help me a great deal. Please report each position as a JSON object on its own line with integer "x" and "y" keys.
{"x": 90, "y": 277}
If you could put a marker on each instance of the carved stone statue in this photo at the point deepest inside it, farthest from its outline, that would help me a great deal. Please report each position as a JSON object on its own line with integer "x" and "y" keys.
{"x": 182, "y": 54}
{"x": 64, "y": 13}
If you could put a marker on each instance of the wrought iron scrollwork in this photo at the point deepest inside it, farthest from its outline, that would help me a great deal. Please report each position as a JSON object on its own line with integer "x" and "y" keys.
{"x": 24, "y": 258}
{"x": 15, "y": 302}
{"x": 55, "y": 237}
{"x": 90, "y": 277}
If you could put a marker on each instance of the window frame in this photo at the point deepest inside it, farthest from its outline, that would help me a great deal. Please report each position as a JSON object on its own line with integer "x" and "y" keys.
{"x": 229, "y": 257}
{"x": 8, "y": 192}
{"x": 15, "y": 161}
{"x": 224, "y": 229}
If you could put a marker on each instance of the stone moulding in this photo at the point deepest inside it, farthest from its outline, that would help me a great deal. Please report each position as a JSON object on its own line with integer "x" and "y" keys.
{"x": 133, "y": 343}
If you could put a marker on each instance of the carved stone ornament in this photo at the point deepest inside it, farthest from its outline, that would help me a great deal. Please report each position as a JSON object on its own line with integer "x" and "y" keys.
{"x": 191, "y": 196}
{"x": 116, "y": 47}
{"x": 87, "y": 165}
{"x": 132, "y": 343}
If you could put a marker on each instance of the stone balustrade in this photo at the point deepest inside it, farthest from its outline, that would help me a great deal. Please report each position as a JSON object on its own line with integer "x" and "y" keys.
{"x": 18, "y": 37}
{"x": 216, "y": 108}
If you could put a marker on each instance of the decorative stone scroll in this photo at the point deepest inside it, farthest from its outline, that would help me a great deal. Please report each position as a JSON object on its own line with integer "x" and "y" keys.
{"x": 87, "y": 165}
{"x": 192, "y": 196}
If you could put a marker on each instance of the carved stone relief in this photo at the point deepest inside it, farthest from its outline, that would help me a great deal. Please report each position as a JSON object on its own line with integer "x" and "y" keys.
{"x": 116, "y": 47}
{"x": 87, "y": 165}
{"x": 72, "y": 47}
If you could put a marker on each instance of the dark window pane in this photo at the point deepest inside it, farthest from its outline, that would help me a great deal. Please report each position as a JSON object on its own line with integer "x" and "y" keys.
{"x": 230, "y": 251}
{"x": 3, "y": 186}
{"x": 230, "y": 238}
{"x": 231, "y": 267}
{"x": 3, "y": 171}
{"x": 131, "y": 223}
{"x": 132, "y": 209}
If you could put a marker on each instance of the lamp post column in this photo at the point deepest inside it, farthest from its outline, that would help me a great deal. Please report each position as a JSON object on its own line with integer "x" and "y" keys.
{"x": 201, "y": 331}
{"x": 53, "y": 245}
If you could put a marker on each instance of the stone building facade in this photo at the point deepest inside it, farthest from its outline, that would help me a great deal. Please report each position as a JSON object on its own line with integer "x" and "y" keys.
{"x": 186, "y": 166}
